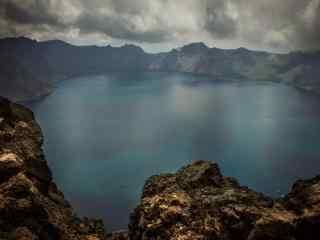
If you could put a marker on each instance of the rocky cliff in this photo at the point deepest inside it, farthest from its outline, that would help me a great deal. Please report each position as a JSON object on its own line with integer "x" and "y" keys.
{"x": 197, "y": 202}
{"x": 31, "y": 206}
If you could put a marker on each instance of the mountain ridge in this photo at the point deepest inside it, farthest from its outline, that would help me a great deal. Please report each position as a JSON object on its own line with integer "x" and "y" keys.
{"x": 31, "y": 68}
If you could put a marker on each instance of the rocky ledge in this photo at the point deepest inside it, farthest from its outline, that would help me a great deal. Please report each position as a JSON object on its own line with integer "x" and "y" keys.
{"x": 195, "y": 203}
{"x": 199, "y": 203}
{"x": 31, "y": 206}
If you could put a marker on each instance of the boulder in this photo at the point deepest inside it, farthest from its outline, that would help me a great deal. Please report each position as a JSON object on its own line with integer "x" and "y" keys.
{"x": 198, "y": 202}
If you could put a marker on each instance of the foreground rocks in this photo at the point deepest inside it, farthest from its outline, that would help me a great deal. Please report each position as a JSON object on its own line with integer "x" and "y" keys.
{"x": 195, "y": 203}
{"x": 199, "y": 203}
{"x": 31, "y": 206}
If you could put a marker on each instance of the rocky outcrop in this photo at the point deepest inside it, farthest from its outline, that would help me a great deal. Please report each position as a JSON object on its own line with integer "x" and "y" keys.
{"x": 195, "y": 203}
{"x": 31, "y": 206}
{"x": 199, "y": 203}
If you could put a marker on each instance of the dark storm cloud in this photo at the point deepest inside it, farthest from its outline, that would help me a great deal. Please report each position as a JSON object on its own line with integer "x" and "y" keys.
{"x": 308, "y": 31}
{"x": 122, "y": 19}
{"x": 118, "y": 28}
{"x": 37, "y": 11}
{"x": 284, "y": 24}
{"x": 274, "y": 24}
{"x": 19, "y": 17}
{"x": 218, "y": 21}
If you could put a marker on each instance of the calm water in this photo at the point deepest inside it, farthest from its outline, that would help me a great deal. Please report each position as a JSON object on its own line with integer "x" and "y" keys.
{"x": 104, "y": 135}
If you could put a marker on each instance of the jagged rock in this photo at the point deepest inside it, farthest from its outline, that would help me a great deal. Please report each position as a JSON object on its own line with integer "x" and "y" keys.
{"x": 22, "y": 233}
{"x": 199, "y": 203}
{"x": 31, "y": 206}
{"x": 10, "y": 165}
{"x": 118, "y": 235}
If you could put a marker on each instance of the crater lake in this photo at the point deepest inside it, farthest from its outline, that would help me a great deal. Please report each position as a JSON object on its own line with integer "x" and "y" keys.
{"x": 106, "y": 134}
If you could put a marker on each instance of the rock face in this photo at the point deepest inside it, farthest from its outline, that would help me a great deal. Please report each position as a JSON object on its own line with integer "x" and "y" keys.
{"x": 199, "y": 203}
{"x": 31, "y": 206}
{"x": 195, "y": 203}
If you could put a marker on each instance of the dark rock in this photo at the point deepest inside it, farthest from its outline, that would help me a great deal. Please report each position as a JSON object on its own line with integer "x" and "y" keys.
{"x": 199, "y": 174}
{"x": 10, "y": 165}
{"x": 38, "y": 169}
{"x": 199, "y": 203}
{"x": 31, "y": 206}
{"x": 22, "y": 233}
{"x": 5, "y": 110}
{"x": 119, "y": 235}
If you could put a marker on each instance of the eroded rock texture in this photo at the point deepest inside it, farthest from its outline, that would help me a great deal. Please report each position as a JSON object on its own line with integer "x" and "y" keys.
{"x": 31, "y": 206}
{"x": 199, "y": 203}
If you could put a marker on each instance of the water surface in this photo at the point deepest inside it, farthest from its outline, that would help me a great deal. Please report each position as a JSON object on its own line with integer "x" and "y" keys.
{"x": 105, "y": 135}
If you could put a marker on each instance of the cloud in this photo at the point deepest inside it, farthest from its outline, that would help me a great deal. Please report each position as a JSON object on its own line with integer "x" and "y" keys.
{"x": 31, "y": 12}
{"x": 124, "y": 21}
{"x": 287, "y": 24}
{"x": 139, "y": 20}
{"x": 220, "y": 20}
{"x": 277, "y": 25}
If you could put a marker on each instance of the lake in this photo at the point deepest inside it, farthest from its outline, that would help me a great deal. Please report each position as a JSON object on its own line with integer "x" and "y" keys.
{"x": 105, "y": 135}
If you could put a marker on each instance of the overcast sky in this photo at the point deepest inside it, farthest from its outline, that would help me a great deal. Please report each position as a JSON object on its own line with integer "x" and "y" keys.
{"x": 157, "y": 25}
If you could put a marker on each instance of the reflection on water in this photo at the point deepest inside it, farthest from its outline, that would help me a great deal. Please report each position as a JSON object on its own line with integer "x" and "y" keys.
{"x": 104, "y": 135}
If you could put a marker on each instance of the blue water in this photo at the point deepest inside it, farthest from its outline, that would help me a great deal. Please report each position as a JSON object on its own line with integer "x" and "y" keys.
{"x": 105, "y": 135}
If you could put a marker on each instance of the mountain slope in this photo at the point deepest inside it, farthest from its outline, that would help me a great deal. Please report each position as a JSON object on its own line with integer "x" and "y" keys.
{"x": 30, "y": 68}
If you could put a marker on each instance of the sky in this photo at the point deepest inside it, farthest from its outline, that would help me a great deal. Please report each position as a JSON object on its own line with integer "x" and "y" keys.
{"x": 160, "y": 25}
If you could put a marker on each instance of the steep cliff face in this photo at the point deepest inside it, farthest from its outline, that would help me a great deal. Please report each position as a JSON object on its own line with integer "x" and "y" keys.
{"x": 30, "y": 68}
{"x": 31, "y": 206}
{"x": 197, "y": 202}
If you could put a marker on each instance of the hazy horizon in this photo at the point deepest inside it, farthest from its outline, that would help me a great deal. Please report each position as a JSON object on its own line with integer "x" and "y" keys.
{"x": 155, "y": 51}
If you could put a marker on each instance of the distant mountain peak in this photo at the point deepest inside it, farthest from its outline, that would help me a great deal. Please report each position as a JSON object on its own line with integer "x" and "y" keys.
{"x": 193, "y": 48}
{"x": 132, "y": 47}
{"x": 242, "y": 49}
{"x": 17, "y": 39}
{"x": 56, "y": 42}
